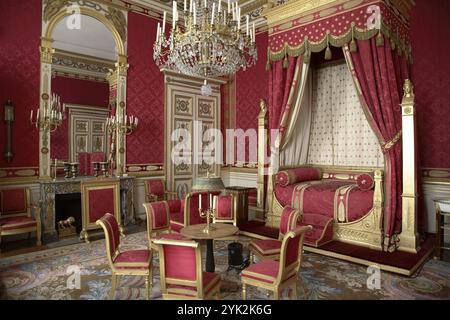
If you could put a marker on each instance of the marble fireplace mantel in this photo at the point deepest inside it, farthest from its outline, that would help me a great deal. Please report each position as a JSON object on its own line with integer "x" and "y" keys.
{"x": 50, "y": 188}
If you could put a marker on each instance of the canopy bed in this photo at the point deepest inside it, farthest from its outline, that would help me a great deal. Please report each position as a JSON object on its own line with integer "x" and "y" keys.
{"x": 351, "y": 172}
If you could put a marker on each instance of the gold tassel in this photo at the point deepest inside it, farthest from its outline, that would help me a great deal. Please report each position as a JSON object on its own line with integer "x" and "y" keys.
{"x": 380, "y": 40}
{"x": 285, "y": 62}
{"x": 307, "y": 54}
{"x": 328, "y": 54}
{"x": 268, "y": 65}
{"x": 392, "y": 44}
{"x": 353, "y": 47}
{"x": 307, "y": 57}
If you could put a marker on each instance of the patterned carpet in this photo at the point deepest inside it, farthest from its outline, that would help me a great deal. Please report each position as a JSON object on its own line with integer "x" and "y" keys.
{"x": 42, "y": 275}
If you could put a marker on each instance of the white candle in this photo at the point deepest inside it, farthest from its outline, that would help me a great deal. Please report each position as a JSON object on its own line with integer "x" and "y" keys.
{"x": 200, "y": 201}
{"x": 174, "y": 14}
{"x": 212, "y": 13}
{"x": 220, "y": 6}
{"x": 157, "y": 33}
{"x": 185, "y": 5}
{"x": 210, "y": 200}
{"x": 195, "y": 14}
{"x": 190, "y": 6}
{"x": 164, "y": 23}
{"x": 229, "y": 6}
{"x": 214, "y": 202}
{"x": 246, "y": 27}
{"x": 31, "y": 116}
{"x": 254, "y": 38}
{"x": 205, "y": 4}
{"x": 239, "y": 17}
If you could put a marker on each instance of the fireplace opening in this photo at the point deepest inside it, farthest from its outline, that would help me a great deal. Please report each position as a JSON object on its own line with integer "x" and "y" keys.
{"x": 66, "y": 206}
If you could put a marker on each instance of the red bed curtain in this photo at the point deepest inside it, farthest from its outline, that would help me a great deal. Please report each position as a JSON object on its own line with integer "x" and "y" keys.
{"x": 379, "y": 72}
{"x": 283, "y": 83}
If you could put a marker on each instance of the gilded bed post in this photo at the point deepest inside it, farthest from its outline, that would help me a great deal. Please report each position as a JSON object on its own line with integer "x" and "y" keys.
{"x": 378, "y": 200}
{"x": 262, "y": 147}
{"x": 409, "y": 237}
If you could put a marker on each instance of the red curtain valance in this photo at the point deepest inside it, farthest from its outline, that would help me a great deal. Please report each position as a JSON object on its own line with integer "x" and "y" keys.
{"x": 336, "y": 26}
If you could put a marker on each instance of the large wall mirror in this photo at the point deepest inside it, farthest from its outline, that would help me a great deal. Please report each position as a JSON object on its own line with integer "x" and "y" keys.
{"x": 81, "y": 62}
{"x": 83, "y": 67}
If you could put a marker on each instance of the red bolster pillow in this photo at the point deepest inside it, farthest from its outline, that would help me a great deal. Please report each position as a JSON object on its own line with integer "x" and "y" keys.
{"x": 291, "y": 176}
{"x": 365, "y": 182}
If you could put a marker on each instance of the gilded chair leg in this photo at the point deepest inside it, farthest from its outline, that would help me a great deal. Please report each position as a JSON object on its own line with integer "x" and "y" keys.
{"x": 113, "y": 286}
{"x": 276, "y": 295}
{"x": 244, "y": 291}
{"x": 296, "y": 290}
{"x": 38, "y": 236}
{"x": 147, "y": 287}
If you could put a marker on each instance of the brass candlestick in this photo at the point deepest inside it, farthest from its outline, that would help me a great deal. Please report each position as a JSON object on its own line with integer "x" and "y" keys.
{"x": 208, "y": 214}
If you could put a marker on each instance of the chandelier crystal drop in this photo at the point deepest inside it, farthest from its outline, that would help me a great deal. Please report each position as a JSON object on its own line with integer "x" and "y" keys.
{"x": 208, "y": 41}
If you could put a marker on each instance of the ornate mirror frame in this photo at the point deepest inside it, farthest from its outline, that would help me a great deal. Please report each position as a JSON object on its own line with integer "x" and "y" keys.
{"x": 115, "y": 21}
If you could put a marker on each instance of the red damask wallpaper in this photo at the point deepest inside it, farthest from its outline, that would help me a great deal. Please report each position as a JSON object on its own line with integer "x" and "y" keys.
{"x": 75, "y": 91}
{"x": 251, "y": 86}
{"x": 20, "y": 31}
{"x": 145, "y": 93}
{"x": 430, "y": 29}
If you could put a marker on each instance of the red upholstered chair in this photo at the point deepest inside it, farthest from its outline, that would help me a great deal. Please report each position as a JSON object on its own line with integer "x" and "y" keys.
{"x": 15, "y": 213}
{"x": 188, "y": 281}
{"x": 271, "y": 248}
{"x": 155, "y": 190}
{"x": 98, "y": 196}
{"x": 131, "y": 262}
{"x": 83, "y": 163}
{"x": 226, "y": 208}
{"x": 158, "y": 222}
{"x": 277, "y": 275}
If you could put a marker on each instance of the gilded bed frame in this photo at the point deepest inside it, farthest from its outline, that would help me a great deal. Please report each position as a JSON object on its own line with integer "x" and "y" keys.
{"x": 366, "y": 231}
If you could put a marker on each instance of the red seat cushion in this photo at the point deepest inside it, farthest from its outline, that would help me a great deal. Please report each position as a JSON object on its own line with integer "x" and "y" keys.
{"x": 173, "y": 236}
{"x": 19, "y": 222}
{"x": 265, "y": 271}
{"x": 210, "y": 280}
{"x": 267, "y": 247}
{"x": 133, "y": 259}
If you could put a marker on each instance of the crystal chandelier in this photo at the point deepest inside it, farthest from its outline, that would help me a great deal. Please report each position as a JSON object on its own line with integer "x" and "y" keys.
{"x": 208, "y": 42}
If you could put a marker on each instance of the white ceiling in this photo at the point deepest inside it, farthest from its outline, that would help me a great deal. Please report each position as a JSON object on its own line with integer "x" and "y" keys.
{"x": 92, "y": 38}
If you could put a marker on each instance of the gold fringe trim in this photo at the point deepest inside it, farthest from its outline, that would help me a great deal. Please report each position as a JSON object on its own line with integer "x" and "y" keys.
{"x": 339, "y": 41}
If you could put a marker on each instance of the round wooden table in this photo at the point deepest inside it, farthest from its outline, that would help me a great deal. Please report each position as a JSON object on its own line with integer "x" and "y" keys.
{"x": 220, "y": 230}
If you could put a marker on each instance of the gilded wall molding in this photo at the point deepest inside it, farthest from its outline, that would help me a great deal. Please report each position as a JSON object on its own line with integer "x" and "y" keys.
{"x": 52, "y": 8}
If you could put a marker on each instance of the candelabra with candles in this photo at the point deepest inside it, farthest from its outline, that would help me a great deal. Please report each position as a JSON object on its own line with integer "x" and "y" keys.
{"x": 127, "y": 125}
{"x": 210, "y": 184}
{"x": 208, "y": 42}
{"x": 51, "y": 116}
{"x": 207, "y": 213}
